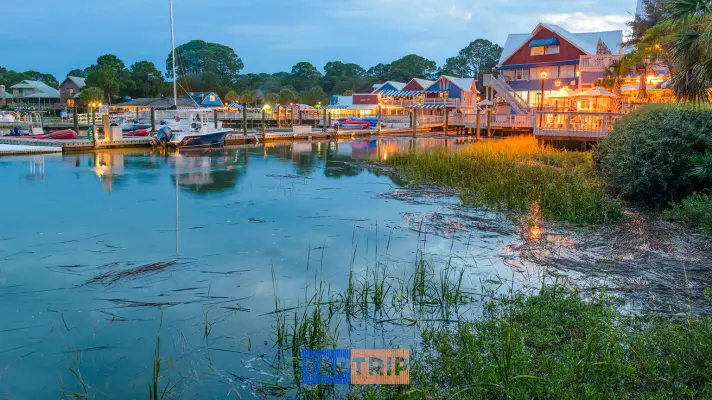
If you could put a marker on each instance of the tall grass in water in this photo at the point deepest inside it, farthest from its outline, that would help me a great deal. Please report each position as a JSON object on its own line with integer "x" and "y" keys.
{"x": 154, "y": 390}
{"x": 515, "y": 173}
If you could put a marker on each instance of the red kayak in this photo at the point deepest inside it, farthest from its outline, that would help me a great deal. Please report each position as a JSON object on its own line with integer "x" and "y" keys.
{"x": 350, "y": 124}
{"x": 58, "y": 135}
{"x": 137, "y": 133}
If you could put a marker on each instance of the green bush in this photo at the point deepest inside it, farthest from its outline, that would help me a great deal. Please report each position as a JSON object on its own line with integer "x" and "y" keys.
{"x": 647, "y": 157}
{"x": 694, "y": 212}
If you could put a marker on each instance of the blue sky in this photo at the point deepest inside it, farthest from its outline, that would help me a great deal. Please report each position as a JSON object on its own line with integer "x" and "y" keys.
{"x": 272, "y": 35}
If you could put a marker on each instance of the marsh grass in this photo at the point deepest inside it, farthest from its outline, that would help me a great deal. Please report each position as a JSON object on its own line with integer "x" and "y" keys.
{"x": 512, "y": 174}
{"x": 82, "y": 391}
{"x": 154, "y": 387}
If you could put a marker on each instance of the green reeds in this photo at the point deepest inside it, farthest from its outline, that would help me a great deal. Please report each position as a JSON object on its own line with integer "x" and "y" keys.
{"x": 515, "y": 173}
{"x": 82, "y": 387}
{"x": 154, "y": 390}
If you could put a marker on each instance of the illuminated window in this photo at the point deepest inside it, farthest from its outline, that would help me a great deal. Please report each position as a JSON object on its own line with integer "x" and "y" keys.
{"x": 522, "y": 75}
{"x": 567, "y": 71}
{"x": 212, "y": 98}
{"x": 552, "y": 50}
{"x": 508, "y": 74}
{"x": 538, "y": 51}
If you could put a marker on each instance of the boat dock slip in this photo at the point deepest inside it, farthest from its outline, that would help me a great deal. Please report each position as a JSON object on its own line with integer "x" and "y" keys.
{"x": 19, "y": 149}
{"x": 77, "y": 144}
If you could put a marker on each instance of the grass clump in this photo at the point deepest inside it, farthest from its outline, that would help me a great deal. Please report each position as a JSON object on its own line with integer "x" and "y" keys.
{"x": 694, "y": 212}
{"x": 558, "y": 345}
{"x": 517, "y": 174}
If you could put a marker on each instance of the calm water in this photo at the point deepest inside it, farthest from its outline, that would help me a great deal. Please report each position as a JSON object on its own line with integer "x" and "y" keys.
{"x": 226, "y": 218}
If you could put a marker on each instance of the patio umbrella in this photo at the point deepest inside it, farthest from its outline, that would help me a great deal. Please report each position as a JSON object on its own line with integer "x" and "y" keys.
{"x": 563, "y": 93}
{"x": 485, "y": 103}
{"x": 596, "y": 93}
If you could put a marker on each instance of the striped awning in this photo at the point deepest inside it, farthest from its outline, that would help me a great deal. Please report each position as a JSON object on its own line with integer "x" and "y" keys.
{"x": 235, "y": 105}
{"x": 432, "y": 106}
{"x": 337, "y": 107}
{"x": 402, "y": 93}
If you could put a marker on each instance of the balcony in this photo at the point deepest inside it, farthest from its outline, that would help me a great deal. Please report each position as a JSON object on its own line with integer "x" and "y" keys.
{"x": 596, "y": 63}
{"x": 416, "y": 102}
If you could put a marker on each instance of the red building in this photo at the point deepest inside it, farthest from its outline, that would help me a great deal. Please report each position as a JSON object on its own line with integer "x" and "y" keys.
{"x": 576, "y": 60}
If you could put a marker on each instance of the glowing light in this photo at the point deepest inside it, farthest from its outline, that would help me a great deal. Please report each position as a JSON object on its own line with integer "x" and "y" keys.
{"x": 557, "y": 83}
{"x": 544, "y": 74}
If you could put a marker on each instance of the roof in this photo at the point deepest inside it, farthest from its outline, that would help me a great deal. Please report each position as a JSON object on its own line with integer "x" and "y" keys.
{"x": 162, "y": 102}
{"x": 424, "y": 83}
{"x": 341, "y": 100}
{"x": 585, "y": 41}
{"x": 396, "y": 85}
{"x": 45, "y": 90}
{"x": 362, "y": 107}
{"x": 462, "y": 83}
{"x": 79, "y": 82}
{"x": 401, "y": 93}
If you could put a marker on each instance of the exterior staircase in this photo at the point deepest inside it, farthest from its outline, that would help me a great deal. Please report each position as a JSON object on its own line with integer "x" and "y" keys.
{"x": 508, "y": 94}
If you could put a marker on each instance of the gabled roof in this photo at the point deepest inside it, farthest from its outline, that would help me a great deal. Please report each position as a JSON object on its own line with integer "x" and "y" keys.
{"x": 45, "y": 91}
{"x": 462, "y": 83}
{"x": 586, "y": 41}
{"x": 424, "y": 83}
{"x": 80, "y": 82}
{"x": 394, "y": 84}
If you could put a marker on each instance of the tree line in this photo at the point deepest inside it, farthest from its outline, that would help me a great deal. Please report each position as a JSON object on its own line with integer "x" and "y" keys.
{"x": 212, "y": 67}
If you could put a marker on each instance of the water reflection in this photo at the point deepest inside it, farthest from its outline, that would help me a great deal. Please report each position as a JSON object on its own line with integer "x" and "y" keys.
{"x": 220, "y": 170}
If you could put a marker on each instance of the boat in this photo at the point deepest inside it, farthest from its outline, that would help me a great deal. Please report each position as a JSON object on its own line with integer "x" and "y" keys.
{"x": 137, "y": 133}
{"x": 354, "y": 124}
{"x": 189, "y": 128}
{"x": 65, "y": 134}
{"x": 7, "y": 117}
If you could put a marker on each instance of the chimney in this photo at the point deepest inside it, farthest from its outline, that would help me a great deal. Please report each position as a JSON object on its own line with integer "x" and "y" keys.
{"x": 2, "y": 95}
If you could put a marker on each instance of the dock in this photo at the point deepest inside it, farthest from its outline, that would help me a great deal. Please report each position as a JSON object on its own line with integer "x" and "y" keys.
{"x": 18, "y": 149}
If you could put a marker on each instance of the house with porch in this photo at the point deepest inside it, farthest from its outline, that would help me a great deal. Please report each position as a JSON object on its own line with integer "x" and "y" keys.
{"x": 552, "y": 57}
{"x": 38, "y": 94}
{"x": 205, "y": 99}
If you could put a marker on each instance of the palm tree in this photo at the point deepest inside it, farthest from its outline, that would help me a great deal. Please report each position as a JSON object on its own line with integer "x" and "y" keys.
{"x": 613, "y": 78}
{"x": 692, "y": 49}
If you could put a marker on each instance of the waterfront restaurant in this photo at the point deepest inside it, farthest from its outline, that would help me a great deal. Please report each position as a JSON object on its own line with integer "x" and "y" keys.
{"x": 432, "y": 97}
{"x": 550, "y": 57}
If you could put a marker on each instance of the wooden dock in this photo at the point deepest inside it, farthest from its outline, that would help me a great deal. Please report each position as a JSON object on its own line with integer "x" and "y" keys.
{"x": 19, "y": 149}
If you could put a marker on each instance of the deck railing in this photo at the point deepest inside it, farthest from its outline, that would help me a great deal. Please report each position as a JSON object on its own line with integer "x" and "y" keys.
{"x": 574, "y": 124}
{"x": 597, "y": 62}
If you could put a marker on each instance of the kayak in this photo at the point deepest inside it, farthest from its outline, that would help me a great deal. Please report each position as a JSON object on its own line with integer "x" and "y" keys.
{"x": 138, "y": 133}
{"x": 352, "y": 124}
{"x": 57, "y": 135}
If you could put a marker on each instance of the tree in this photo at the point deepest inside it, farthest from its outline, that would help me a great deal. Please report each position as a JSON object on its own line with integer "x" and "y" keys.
{"x": 313, "y": 96}
{"x": 478, "y": 58}
{"x": 692, "y": 49}
{"x": 110, "y": 75}
{"x": 208, "y": 66}
{"x": 406, "y": 68}
{"x": 248, "y": 97}
{"x": 271, "y": 98}
{"x": 287, "y": 95}
{"x": 304, "y": 76}
{"x": 653, "y": 13}
{"x": 231, "y": 97}
{"x": 91, "y": 94}
{"x": 79, "y": 73}
{"x": 339, "y": 77}
{"x": 613, "y": 79}
{"x": 147, "y": 80}
{"x": 47, "y": 79}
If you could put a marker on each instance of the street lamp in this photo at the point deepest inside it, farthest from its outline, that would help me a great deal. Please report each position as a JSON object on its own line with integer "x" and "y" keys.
{"x": 543, "y": 76}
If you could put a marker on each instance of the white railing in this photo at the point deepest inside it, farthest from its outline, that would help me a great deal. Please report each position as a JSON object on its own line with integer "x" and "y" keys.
{"x": 574, "y": 124}
{"x": 598, "y": 62}
{"x": 430, "y": 119}
{"x": 442, "y": 101}
{"x": 514, "y": 121}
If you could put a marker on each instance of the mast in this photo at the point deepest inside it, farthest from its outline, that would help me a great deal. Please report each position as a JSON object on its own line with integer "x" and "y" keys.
{"x": 173, "y": 52}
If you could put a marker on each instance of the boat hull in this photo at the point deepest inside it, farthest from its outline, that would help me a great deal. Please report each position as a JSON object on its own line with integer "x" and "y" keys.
{"x": 215, "y": 139}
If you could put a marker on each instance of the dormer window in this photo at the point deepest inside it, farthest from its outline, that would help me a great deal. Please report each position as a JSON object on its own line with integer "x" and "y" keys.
{"x": 542, "y": 46}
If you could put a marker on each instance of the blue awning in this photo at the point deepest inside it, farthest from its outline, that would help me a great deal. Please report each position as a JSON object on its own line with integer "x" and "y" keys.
{"x": 552, "y": 41}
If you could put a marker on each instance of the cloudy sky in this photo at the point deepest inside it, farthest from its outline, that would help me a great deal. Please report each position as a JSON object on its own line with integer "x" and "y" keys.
{"x": 272, "y": 35}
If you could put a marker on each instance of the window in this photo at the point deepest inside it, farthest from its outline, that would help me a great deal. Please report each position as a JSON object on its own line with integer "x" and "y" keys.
{"x": 522, "y": 75}
{"x": 567, "y": 71}
{"x": 538, "y": 51}
{"x": 508, "y": 74}
{"x": 552, "y": 72}
{"x": 552, "y": 50}
{"x": 212, "y": 98}
{"x": 70, "y": 92}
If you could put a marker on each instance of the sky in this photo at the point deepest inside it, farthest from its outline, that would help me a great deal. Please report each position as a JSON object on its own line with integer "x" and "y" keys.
{"x": 272, "y": 35}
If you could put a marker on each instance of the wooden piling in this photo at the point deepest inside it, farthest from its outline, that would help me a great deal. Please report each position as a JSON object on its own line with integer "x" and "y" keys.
{"x": 489, "y": 122}
{"x": 264, "y": 126}
{"x": 414, "y": 121}
{"x": 75, "y": 119}
{"x": 215, "y": 115}
{"x": 447, "y": 121}
{"x": 323, "y": 128}
{"x": 478, "y": 126}
{"x": 244, "y": 119}
{"x": 153, "y": 119}
{"x": 380, "y": 117}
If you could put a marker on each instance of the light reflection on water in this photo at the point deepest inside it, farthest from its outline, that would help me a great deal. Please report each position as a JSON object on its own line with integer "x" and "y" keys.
{"x": 226, "y": 216}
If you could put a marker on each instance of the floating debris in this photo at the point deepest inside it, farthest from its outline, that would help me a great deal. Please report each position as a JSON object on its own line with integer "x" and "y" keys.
{"x": 115, "y": 275}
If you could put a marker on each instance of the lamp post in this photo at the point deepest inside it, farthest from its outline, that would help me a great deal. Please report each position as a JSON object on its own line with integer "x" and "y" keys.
{"x": 543, "y": 76}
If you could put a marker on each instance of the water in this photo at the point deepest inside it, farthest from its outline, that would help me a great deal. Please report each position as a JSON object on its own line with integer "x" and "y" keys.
{"x": 225, "y": 218}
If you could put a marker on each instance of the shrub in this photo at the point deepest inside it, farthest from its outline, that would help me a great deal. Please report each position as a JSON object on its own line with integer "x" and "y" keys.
{"x": 647, "y": 157}
{"x": 694, "y": 212}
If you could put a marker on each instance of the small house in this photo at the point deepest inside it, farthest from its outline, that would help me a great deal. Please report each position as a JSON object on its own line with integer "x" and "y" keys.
{"x": 70, "y": 88}
{"x": 205, "y": 99}
{"x": 453, "y": 93}
{"x": 388, "y": 86}
{"x": 34, "y": 93}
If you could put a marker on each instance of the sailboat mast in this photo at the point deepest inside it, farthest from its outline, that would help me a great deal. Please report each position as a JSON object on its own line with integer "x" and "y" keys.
{"x": 173, "y": 52}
